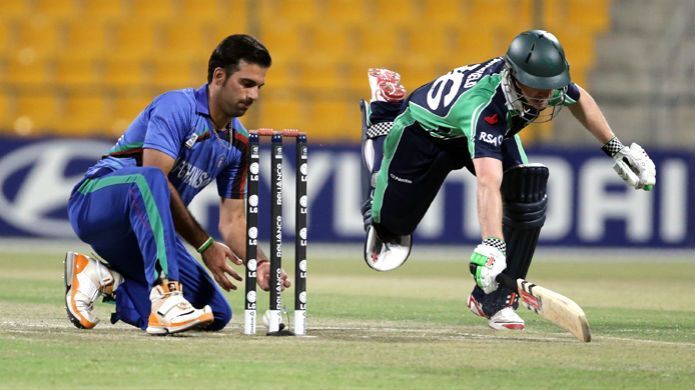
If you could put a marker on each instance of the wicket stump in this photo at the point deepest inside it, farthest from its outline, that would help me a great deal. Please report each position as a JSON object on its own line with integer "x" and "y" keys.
{"x": 252, "y": 207}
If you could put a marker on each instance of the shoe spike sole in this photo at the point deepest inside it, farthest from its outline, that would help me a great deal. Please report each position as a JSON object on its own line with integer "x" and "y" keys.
{"x": 67, "y": 277}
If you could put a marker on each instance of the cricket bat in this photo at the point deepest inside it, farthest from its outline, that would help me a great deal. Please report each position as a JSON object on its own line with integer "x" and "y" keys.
{"x": 550, "y": 305}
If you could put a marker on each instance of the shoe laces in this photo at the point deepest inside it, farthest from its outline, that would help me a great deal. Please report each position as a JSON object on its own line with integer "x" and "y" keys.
{"x": 511, "y": 299}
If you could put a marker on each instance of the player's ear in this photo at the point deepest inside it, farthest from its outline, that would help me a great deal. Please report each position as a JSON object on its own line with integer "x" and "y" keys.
{"x": 219, "y": 75}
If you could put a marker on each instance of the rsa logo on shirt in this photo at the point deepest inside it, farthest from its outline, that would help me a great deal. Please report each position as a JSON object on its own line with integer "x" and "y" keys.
{"x": 190, "y": 174}
{"x": 491, "y": 138}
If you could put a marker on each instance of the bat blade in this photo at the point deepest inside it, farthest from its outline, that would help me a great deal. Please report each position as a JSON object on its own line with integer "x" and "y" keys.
{"x": 550, "y": 305}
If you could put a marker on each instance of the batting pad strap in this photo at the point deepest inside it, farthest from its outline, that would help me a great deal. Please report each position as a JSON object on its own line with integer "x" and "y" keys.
{"x": 379, "y": 129}
{"x": 612, "y": 147}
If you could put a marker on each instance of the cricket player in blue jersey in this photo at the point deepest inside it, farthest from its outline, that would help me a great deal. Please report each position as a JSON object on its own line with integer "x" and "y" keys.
{"x": 131, "y": 206}
{"x": 470, "y": 117}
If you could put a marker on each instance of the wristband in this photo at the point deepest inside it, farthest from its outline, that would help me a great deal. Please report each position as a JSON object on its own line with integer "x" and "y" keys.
{"x": 205, "y": 245}
{"x": 612, "y": 147}
{"x": 496, "y": 243}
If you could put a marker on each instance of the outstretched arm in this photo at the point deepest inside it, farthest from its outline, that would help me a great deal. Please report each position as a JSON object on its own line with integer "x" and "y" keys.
{"x": 488, "y": 172}
{"x": 489, "y": 258}
{"x": 590, "y": 116}
{"x": 184, "y": 222}
{"x": 632, "y": 163}
{"x": 233, "y": 226}
{"x": 233, "y": 229}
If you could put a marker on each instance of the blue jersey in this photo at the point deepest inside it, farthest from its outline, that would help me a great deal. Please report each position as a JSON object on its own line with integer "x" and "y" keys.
{"x": 178, "y": 123}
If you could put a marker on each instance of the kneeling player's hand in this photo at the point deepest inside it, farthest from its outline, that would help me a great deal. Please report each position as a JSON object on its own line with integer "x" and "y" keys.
{"x": 487, "y": 261}
{"x": 215, "y": 258}
{"x": 263, "y": 276}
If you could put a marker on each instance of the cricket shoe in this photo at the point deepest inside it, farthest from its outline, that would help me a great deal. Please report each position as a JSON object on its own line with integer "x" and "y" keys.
{"x": 385, "y": 85}
{"x": 86, "y": 279}
{"x": 172, "y": 313}
{"x": 506, "y": 318}
{"x": 383, "y": 255}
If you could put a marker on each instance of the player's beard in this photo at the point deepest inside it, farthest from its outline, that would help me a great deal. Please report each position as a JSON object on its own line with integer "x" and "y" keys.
{"x": 240, "y": 108}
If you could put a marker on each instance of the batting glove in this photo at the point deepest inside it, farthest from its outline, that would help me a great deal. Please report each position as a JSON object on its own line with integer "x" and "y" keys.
{"x": 632, "y": 164}
{"x": 487, "y": 261}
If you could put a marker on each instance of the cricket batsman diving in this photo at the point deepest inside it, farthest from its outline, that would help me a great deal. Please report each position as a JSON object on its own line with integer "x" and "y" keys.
{"x": 131, "y": 206}
{"x": 470, "y": 117}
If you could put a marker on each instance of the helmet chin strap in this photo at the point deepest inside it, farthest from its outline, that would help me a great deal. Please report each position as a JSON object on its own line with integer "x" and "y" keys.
{"x": 517, "y": 104}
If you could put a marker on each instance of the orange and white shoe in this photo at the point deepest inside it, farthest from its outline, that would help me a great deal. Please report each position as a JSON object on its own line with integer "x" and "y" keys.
{"x": 172, "y": 313}
{"x": 385, "y": 85}
{"x": 86, "y": 279}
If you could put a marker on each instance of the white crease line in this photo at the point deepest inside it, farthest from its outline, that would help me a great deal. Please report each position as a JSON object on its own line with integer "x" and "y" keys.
{"x": 441, "y": 333}
{"x": 647, "y": 341}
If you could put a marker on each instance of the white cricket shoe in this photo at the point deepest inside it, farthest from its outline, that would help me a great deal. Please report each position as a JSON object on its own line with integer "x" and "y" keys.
{"x": 172, "y": 313}
{"x": 507, "y": 318}
{"x": 86, "y": 279}
{"x": 385, "y": 85}
{"x": 386, "y": 256}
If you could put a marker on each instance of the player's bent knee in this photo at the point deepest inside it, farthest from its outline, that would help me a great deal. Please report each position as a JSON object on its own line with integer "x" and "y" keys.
{"x": 126, "y": 310}
{"x": 222, "y": 314}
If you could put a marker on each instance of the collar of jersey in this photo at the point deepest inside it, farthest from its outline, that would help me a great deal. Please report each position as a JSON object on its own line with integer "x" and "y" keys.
{"x": 203, "y": 107}
{"x": 201, "y": 99}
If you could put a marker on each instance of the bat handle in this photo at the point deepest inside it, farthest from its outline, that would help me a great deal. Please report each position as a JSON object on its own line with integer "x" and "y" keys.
{"x": 508, "y": 282}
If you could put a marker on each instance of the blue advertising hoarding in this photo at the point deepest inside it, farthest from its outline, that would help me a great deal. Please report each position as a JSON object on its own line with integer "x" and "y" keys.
{"x": 588, "y": 203}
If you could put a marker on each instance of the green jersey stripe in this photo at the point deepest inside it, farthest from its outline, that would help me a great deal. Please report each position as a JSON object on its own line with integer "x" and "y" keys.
{"x": 390, "y": 145}
{"x": 520, "y": 146}
{"x": 118, "y": 149}
{"x": 153, "y": 214}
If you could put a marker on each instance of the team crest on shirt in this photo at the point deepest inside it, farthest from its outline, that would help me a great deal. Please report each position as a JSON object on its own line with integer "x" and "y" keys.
{"x": 492, "y": 119}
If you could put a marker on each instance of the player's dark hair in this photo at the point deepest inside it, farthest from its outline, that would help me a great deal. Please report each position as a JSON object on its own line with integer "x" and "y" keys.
{"x": 235, "y": 48}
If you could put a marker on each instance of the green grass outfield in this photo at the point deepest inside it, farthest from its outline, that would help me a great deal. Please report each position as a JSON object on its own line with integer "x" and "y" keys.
{"x": 405, "y": 329}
